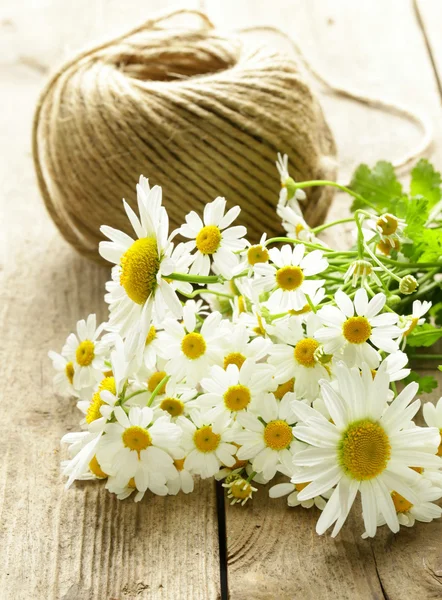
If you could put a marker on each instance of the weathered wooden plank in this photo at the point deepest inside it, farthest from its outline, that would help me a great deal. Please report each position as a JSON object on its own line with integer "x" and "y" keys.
{"x": 376, "y": 49}
{"x": 82, "y": 544}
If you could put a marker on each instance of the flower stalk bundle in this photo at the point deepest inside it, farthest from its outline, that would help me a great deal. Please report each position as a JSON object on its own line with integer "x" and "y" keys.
{"x": 238, "y": 361}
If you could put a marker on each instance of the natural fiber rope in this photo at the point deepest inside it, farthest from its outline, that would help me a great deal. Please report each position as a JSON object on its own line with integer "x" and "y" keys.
{"x": 189, "y": 108}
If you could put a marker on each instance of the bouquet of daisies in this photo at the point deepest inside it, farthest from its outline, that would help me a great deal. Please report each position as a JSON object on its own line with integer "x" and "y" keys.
{"x": 278, "y": 360}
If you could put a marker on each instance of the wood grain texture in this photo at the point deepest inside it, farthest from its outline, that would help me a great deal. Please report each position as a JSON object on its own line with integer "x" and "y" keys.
{"x": 377, "y": 49}
{"x": 80, "y": 544}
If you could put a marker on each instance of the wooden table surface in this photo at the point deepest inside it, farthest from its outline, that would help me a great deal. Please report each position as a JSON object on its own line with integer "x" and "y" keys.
{"x": 84, "y": 544}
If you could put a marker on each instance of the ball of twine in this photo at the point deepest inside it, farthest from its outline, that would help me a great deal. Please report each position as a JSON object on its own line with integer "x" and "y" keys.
{"x": 195, "y": 111}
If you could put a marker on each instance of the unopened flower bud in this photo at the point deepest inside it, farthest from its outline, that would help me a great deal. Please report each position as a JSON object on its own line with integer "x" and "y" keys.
{"x": 393, "y": 300}
{"x": 408, "y": 284}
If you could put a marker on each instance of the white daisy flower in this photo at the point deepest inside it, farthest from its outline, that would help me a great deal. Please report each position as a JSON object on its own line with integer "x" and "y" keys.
{"x": 291, "y": 490}
{"x": 368, "y": 447}
{"x": 138, "y": 285}
{"x": 176, "y": 400}
{"x": 300, "y": 363}
{"x": 239, "y": 490}
{"x": 207, "y": 447}
{"x": 138, "y": 446}
{"x": 183, "y": 480}
{"x": 190, "y": 353}
{"x": 433, "y": 418}
{"x": 237, "y": 346}
{"x": 388, "y": 227}
{"x": 86, "y": 353}
{"x": 361, "y": 271}
{"x": 286, "y": 278}
{"x": 124, "y": 491}
{"x": 265, "y": 440}
{"x": 64, "y": 378}
{"x": 82, "y": 448}
{"x": 424, "y": 510}
{"x": 213, "y": 238}
{"x": 233, "y": 390}
{"x": 395, "y": 364}
{"x": 409, "y": 323}
{"x": 288, "y": 191}
{"x": 350, "y": 332}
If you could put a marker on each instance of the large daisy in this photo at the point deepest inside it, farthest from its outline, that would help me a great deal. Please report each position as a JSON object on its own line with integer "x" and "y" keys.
{"x": 433, "y": 418}
{"x": 86, "y": 354}
{"x": 138, "y": 280}
{"x": 367, "y": 447}
{"x": 350, "y": 325}
{"x": 288, "y": 277}
{"x": 214, "y": 239}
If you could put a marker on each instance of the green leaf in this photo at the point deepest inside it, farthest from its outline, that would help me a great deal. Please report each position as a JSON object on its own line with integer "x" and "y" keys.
{"x": 378, "y": 185}
{"x": 426, "y": 182}
{"x": 424, "y": 335}
{"x": 427, "y": 383}
{"x": 436, "y": 312}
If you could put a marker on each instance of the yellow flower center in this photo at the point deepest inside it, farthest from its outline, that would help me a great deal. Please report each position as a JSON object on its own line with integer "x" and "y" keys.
{"x": 300, "y": 486}
{"x": 69, "y": 370}
{"x": 439, "y": 450}
{"x": 139, "y": 268}
{"x": 305, "y": 352}
{"x": 179, "y": 463}
{"x": 151, "y": 335}
{"x": 208, "y": 239}
{"x": 284, "y": 388}
{"x": 85, "y": 353}
{"x": 356, "y": 330}
{"x": 193, "y": 345}
{"x": 364, "y": 450}
{"x": 401, "y": 504}
{"x": 234, "y": 358}
{"x": 388, "y": 224}
{"x": 257, "y": 254}
{"x": 413, "y": 324}
{"x": 240, "y": 489}
{"x": 387, "y": 247}
{"x": 173, "y": 406}
{"x": 205, "y": 440}
{"x": 95, "y": 468}
{"x": 131, "y": 483}
{"x": 136, "y": 438}
{"x": 278, "y": 435}
{"x": 237, "y": 397}
{"x": 299, "y": 227}
{"x": 305, "y": 309}
{"x": 155, "y": 379}
{"x": 289, "y": 278}
{"x": 93, "y": 412}
{"x": 239, "y": 463}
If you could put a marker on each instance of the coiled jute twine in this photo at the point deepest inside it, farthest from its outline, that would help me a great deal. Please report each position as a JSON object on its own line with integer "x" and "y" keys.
{"x": 192, "y": 109}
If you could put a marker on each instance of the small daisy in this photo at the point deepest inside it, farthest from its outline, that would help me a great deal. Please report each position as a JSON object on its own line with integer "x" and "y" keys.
{"x": 424, "y": 510}
{"x": 239, "y": 490}
{"x": 433, "y": 418}
{"x": 368, "y": 447}
{"x": 207, "y": 448}
{"x": 388, "y": 227}
{"x": 288, "y": 190}
{"x": 176, "y": 400}
{"x": 409, "y": 323}
{"x": 265, "y": 440}
{"x": 190, "y": 353}
{"x": 291, "y": 490}
{"x": 254, "y": 254}
{"x": 138, "y": 446}
{"x": 124, "y": 491}
{"x": 82, "y": 449}
{"x": 64, "y": 378}
{"x": 234, "y": 390}
{"x": 138, "y": 285}
{"x": 286, "y": 277}
{"x": 237, "y": 346}
{"x": 86, "y": 354}
{"x": 183, "y": 480}
{"x": 300, "y": 362}
{"x": 351, "y": 333}
{"x": 395, "y": 364}
{"x": 214, "y": 239}
{"x": 361, "y": 271}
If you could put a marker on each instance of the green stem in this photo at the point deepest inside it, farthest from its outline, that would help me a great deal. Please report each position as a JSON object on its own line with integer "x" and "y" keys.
{"x": 133, "y": 394}
{"x": 378, "y": 262}
{"x": 343, "y": 188}
{"x": 157, "y": 389}
{"x": 207, "y": 291}
{"x": 295, "y": 241}
{"x": 312, "y": 306}
{"x": 320, "y": 228}
{"x": 195, "y": 278}
{"x": 251, "y": 476}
